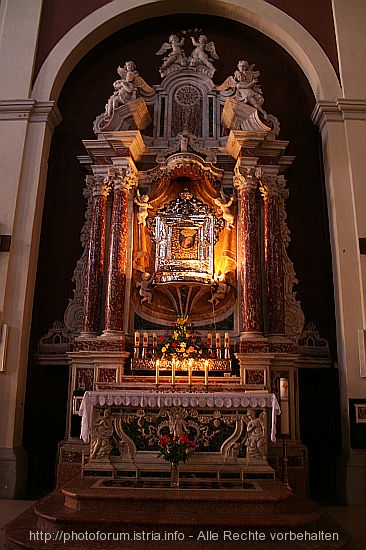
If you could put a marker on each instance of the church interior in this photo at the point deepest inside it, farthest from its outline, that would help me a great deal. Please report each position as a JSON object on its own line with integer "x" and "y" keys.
{"x": 183, "y": 257}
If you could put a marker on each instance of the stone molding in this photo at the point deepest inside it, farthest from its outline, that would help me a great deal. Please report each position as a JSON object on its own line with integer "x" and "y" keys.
{"x": 338, "y": 111}
{"x": 32, "y": 110}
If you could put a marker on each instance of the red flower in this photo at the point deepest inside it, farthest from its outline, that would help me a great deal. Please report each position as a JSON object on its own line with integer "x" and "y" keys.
{"x": 161, "y": 337}
{"x": 164, "y": 440}
{"x": 174, "y": 344}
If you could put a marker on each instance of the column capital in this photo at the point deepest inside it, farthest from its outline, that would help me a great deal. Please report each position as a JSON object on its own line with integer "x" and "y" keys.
{"x": 124, "y": 174}
{"x": 270, "y": 183}
{"x": 100, "y": 184}
{"x": 244, "y": 176}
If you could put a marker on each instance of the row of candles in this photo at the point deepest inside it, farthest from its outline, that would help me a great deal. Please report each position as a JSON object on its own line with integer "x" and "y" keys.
{"x": 174, "y": 364}
{"x": 145, "y": 340}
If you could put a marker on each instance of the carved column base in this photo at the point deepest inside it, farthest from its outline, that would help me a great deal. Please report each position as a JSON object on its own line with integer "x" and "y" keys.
{"x": 254, "y": 335}
{"x": 112, "y": 335}
{"x": 254, "y": 370}
{"x": 87, "y": 336}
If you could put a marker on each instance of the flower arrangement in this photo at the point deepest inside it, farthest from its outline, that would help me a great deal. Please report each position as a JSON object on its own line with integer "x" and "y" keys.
{"x": 175, "y": 449}
{"x": 182, "y": 342}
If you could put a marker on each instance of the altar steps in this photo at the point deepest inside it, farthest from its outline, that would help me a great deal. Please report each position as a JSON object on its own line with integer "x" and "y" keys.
{"x": 149, "y": 518}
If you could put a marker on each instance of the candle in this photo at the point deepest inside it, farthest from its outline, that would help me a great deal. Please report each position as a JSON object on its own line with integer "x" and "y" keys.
{"x": 209, "y": 340}
{"x": 206, "y": 373}
{"x": 137, "y": 339}
{"x": 285, "y": 416}
{"x": 157, "y": 366}
{"x": 154, "y": 340}
{"x": 190, "y": 366}
{"x": 227, "y": 340}
{"x": 173, "y": 372}
{"x": 218, "y": 340}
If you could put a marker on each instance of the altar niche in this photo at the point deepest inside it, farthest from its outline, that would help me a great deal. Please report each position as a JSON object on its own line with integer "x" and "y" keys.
{"x": 185, "y": 232}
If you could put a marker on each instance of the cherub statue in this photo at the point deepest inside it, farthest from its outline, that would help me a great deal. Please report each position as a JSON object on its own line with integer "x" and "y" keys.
{"x": 102, "y": 431}
{"x": 224, "y": 205}
{"x": 200, "y": 56}
{"x": 245, "y": 84}
{"x": 177, "y": 424}
{"x": 145, "y": 290}
{"x": 143, "y": 204}
{"x": 176, "y": 56}
{"x": 256, "y": 433}
{"x": 126, "y": 88}
{"x": 219, "y": 290}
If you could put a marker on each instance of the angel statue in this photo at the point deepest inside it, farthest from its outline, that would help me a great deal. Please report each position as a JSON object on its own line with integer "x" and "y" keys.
{"x": 145, "y": 289}
{"x": 224, "y": 206}
{"x": 126, "y": 88}
{"x": 144, "y": 205}
{"x": 202, "y": 53}
{"x": 244, "y": 84}
{"x": 255, "y": 439}
{"x": 175, "y": 57}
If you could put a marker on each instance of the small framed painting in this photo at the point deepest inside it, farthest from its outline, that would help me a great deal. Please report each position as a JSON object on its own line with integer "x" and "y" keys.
{"x": 360, "y": 413}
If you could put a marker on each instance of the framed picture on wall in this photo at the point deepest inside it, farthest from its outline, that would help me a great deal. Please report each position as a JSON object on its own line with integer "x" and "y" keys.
{"x": 360, "y": 413}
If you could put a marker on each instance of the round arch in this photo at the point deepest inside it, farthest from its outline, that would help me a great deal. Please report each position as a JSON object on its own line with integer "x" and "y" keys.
{"x": 119, "y": 14}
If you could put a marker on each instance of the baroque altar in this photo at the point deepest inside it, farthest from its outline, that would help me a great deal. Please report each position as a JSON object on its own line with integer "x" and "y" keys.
{"x": 231, "y": 432}
{"x": 185, "y": 286}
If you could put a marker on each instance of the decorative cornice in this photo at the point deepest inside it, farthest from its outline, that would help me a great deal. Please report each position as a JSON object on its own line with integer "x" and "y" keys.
{"x": 338, "y": 111}
{"x": 116, "y": 144}
{"x": 185, "y": 163}
{"x": 32, "y": 110}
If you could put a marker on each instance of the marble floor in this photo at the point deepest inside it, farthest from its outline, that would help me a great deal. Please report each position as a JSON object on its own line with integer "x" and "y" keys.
{"x": 352, "y": 518}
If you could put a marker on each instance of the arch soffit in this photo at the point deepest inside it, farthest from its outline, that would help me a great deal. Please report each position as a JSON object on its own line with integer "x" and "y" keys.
{"x": 118, "y": 14}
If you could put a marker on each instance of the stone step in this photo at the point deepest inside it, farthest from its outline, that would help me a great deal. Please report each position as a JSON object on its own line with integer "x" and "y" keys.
{"x": 83, "y": 515}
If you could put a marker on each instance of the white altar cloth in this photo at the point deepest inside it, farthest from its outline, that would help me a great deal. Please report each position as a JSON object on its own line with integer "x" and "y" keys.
{"x": 146, "y": 399}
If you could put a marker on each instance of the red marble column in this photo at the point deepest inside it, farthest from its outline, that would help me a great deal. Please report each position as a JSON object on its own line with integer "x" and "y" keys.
{"x": 273, "y": 258}
{"x": 250, "y": 272}
{"x": 117, "y": 263}
{"x": 95, "y": 262}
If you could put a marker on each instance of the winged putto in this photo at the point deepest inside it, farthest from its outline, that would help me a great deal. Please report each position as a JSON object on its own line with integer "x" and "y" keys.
{"x": 201, "y": 58}
{"x": 203, "y": 54}
{"x": 244, "y": 86}
{"x": 176, "y": 57}
{"x": 127, "y": 88}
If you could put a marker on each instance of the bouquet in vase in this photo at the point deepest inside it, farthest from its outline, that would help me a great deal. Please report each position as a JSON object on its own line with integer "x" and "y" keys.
{"x": 175, "y": 449}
